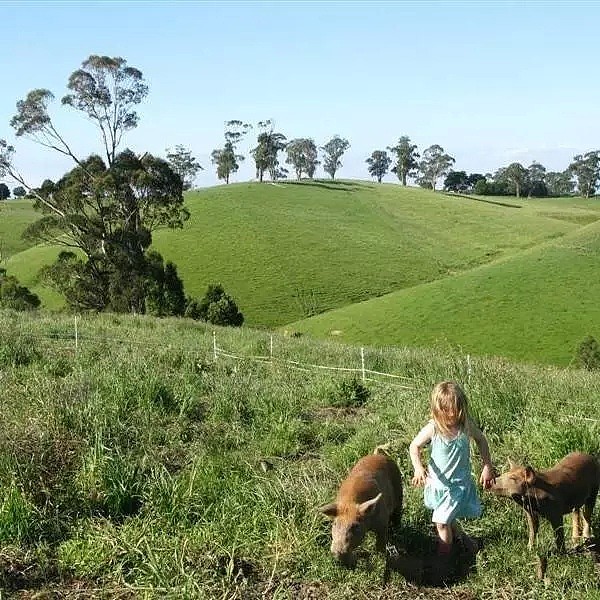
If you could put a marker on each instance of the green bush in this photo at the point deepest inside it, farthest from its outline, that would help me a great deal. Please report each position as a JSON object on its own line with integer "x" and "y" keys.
{"x": 217, "y": 307}
{"x": 348, "y": 393}
{"x": 15, "y": 296}
{"x": 587, "y": 355}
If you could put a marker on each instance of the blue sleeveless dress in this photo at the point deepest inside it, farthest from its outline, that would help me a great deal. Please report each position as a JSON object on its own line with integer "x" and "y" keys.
{"x": 450, "y": 490}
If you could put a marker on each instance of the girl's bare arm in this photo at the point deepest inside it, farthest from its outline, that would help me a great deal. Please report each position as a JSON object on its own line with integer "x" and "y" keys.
{"x": 487, "y": 473}
{"x": 421, "y": 439}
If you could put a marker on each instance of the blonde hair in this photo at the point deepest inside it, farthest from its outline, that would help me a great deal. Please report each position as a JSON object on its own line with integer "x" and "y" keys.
{"x": 449, "y": 407}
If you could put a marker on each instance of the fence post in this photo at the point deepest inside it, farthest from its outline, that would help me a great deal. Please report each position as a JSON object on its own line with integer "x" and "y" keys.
{"x": 215, "y": 346}
{"x": 362, "y": 361}
{"x": 271, "y": 348}
{"x": 76, "y": 335}
{"x": 469, "y": 368}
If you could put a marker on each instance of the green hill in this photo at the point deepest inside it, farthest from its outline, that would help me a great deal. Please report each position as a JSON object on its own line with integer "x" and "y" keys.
{"x": 15, "y": 215}
{"x": 289, "y": 251}
{"x": 536, "y": 306}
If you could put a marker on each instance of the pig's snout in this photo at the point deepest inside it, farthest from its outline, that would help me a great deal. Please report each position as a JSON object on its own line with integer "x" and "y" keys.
{"x": 343, "y": 556}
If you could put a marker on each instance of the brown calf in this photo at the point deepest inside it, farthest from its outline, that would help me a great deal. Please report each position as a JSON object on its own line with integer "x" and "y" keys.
{"x": 568, "y": 486}
{"x": 366, "y": 500}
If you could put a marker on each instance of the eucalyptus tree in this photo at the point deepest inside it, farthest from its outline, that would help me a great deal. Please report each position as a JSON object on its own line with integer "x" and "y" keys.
{"x": 105, "y": 208}
{"x": 379, "y": 164}
{"x": 434, "y": 164}
{"x": 407, "y": 158}
{"x": 334, "y": 149}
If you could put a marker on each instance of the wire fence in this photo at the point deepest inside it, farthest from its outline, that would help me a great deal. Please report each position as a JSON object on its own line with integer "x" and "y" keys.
{"x": 73, "y": 338}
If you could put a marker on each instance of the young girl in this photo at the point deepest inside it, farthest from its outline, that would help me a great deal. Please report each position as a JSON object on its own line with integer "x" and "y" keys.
{"x": 449, "y": 487}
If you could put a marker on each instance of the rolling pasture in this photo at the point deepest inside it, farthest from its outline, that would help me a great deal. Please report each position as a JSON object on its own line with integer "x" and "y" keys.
{"x": 289, "y": 251}
{"x": 15, "y": 215}
{"x": 136, "y": 466}
{"x": 382, "y": 264}
{"x": 535, "y": 306}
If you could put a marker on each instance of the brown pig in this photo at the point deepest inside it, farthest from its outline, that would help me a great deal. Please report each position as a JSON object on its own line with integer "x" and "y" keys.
{"x": 366, "y": 500}
{"x": 569, "y": 485}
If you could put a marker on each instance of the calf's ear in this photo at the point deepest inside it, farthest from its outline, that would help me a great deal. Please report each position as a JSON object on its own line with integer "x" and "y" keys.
{"x": 511, "y": 465}
{"x": 529, "y": 475}
{"x": 330, "y": 510}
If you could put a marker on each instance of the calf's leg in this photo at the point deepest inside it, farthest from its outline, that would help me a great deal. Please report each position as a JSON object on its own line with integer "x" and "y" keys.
{"x": 559, "y": 534}
{"x": 576, "y": 526}
{"x": 533, "y": 521}
{"x": 587, "y": 510}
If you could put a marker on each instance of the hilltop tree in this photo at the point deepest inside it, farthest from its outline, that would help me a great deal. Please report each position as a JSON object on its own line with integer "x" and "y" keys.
{"x": 516, "y": 175}
{"x": 334, "y": 150}
{"x": 457, "y": 181}
{"x": 226, "y": 159}
{"x": 19, "y": 192}
{"x": 184, "y": 164}
{"x": 267, "y": 150}
{"x": 558, "y": 183}
{"x": 379, "y": 164}
{"x": 4, "y": 192}
{"x": 106, "y": 89}
{"x": 406, "y": 158}
{"x": 434, "y": 164}
{"x": 302, "y": 155}
{"x": 586, "y": 170}
{"x": 536, "y": 180}
{"x": 106, "y": 210}
{"x": 474, "y": 179}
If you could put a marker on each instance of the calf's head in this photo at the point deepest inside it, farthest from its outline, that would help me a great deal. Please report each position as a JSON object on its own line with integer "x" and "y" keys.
{"x": 514, "y": 482}
{"x": 350, "y": 524}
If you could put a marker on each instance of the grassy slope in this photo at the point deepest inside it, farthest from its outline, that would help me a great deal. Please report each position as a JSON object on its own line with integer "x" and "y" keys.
{"x": 15, "y": 215}
{"x": 283, "y": 251}
{"x": 288, "y": 251}
{"x": 131, "y": 468}
{"x": 536, "y": 306}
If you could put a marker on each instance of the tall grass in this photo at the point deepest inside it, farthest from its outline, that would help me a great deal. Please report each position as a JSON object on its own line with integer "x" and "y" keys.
{"x": 136, "y": 465}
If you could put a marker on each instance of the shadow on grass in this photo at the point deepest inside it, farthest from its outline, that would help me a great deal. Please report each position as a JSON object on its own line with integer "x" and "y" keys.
{"x": 346, "y": 186}
{"x": 506, "y": 204}
{"x": 414, "y": 557}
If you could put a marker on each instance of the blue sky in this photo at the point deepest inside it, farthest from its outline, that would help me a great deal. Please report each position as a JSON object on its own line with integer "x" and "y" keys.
{"x": 490, "y": 82}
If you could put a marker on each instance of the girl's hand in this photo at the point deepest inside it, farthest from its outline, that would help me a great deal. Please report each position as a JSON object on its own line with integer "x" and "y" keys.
{"x": 487, "y": 476}
{"x": 420, "y": 477}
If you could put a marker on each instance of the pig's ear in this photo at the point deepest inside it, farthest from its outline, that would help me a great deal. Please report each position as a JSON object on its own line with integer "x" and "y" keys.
{"x": 366, "y": 507}
{"x": 330, "y": 510}
{"x": 529, "y": 475}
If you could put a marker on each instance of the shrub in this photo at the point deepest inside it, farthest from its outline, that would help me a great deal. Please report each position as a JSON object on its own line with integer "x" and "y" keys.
{"x": 587, "y": 355}
{"x": 15, "y": 296}
{"x": 216, "y": 307}
{"x": 348, "y": 393}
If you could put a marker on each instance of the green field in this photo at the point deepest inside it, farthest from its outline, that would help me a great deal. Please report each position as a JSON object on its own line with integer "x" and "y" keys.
{"x": 130, "y": 464}
{"x": 484, "y": 275}
{"x": 15, "y": 215}
{"x": 536, "y": 306}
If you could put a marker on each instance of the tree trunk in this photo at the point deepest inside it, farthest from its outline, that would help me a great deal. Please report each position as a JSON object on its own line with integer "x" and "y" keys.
{"x": 404, "y": 179}
{"x": 518, "y": 190}
{"x": 227, "y": 179}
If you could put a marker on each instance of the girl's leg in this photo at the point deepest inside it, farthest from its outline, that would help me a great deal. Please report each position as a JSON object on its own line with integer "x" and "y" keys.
{"x": 446, "y": 537}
